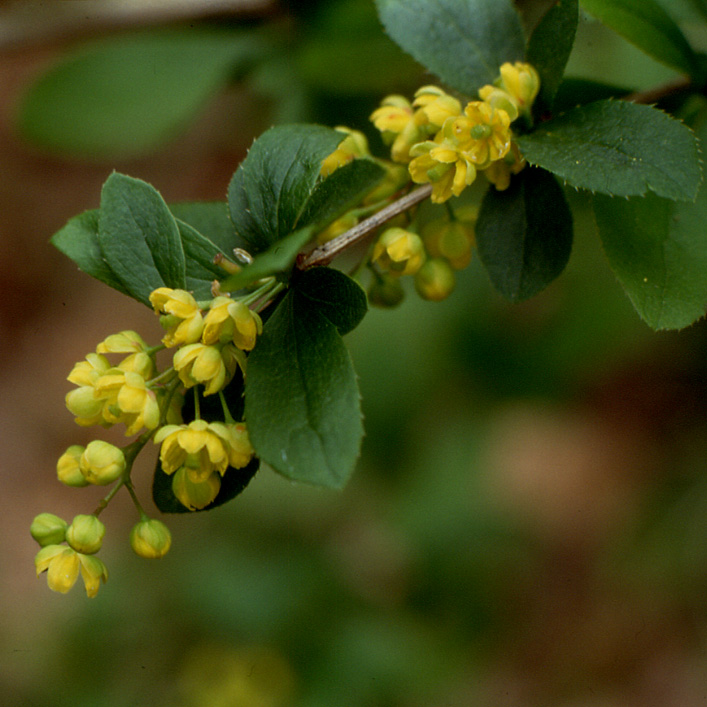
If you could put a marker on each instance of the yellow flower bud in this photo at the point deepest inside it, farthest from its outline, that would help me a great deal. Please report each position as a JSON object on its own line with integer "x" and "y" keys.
{"x": 68, "y": 469}
{"x": 195, "y": 495}
{"x": 150, "y": 539}
{"x": 352, "y": 146}
{"x": 451, "y": 240}
{"x": 198, "y": 363}
{"x": 123, "y": 342}
{"x": 435, "y": 280}
{"x": 85, "y": 534}
{"x": 48, "y": 529}
{"x": 399, "y": 252}
{"x": 185, "y": 323}
{"x": 102, "y": 463}
{"x": 521, "y": 81}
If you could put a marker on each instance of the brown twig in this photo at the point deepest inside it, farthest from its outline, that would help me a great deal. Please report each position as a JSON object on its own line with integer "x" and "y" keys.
{"x": 653, "y": 95}
{"x": 327, "y": 252}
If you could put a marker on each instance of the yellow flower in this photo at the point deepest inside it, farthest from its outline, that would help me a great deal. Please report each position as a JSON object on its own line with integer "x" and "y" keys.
{"x": 399, "y": 252}
{"x": 483, "y": 134}
{"x": 444, "y": 166}
{"x": 195, "y": 495}
{"x": 352, "y": 146}
{"x": 82, "y": 401}
{"x": 435, "y": 107}
{"x": 199, "y": 363}
{"x": 395, "y": 119}
{"x": 229, "y": 320}
{"x": 126, "y": 397}
{"x": 497, "y": 98}
{"x": 63, "y": 564}
{"x": 199, "y": 447}
{"x": 235, "y": 435}
{"x": 184, "y": 322}
{"x": 499, "y": 173}
{"x": 521, "y": 82}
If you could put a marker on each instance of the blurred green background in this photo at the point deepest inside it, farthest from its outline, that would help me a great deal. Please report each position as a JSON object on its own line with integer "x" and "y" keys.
{"x": 528, "y": 522}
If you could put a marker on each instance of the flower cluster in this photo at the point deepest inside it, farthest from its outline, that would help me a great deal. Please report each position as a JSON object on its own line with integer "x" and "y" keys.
{"x": 210, "y": 341}
{"x": 446, "y": 145}
{"x": 444, "y": 245}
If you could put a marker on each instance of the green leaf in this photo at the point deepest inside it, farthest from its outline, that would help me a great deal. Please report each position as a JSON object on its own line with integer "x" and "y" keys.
{"x": 233, "y": 483}
{"x": 464, "y": 42}
{"x": 301, "y": 400}
{"x": 278, "y": 258}
{"x": 199, "y": 254}
{"x": 336, "y": 296}
{"x": 139, "y": 237}
{"x": 574, "y": 92}
{"x": 340, "y": 191}
{"x": 618, "y": 148}
{"x": 657, "y": 250}
{"x": 274, "y": 183}
{"x": 126, "y": 95}
{"x": 78, "y": 240}
{"x": 647, "y": 25}
{"x": 524, "y": 234}
{"x": 211, "y": 219}
{"x": 550, "y": 45}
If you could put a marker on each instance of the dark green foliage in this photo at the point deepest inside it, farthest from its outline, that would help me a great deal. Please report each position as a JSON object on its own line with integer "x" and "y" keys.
{"x": 461, "y": 41}
{"x": 524, "y": 234}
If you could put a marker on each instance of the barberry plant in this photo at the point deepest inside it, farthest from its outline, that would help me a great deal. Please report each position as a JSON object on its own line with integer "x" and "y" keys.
{"x": 254, "y": 315}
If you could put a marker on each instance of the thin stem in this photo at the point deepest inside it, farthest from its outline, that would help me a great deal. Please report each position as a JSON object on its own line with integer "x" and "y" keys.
{"x": 326, "y": 253}
{"x": 227, "y": 417}
{"x": 197, "y": 408}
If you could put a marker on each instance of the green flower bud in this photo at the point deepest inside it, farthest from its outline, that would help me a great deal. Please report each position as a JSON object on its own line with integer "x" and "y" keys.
{"x": 399, "y": 251}
{"x": 68, "y": 470}
{"x": 150, "y": 539}
{"x": 48, "y": 529}
{"x": 435, "y": 280}
{"x": 102, "y": 462}
{"x": 387, "y": 293}
{"x": 85, "y": 534}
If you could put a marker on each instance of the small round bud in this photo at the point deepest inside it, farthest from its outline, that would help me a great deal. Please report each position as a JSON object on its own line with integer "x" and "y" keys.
{"x": 435, "y": 280}
{"x": 399, "y": 252}
{"x": 102, "y": 462}
{"x": 387, "y": 292}
{"x": 48, "y": 529}
{"x": 150, "y": 539}
{"x": 85, "y": 534}
{"x": 68, "y": 469}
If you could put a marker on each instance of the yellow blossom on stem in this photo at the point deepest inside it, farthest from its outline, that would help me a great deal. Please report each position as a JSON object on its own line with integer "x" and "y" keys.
{"x": 435, "y": 280}
{"x": 483, "y": 134}
{"x": 211, "y": 366}
{"x": 444, "y": 166}
{"x": 499, "y": 172}
{"x": 199, "y": 446}
{"x": 353, "y": 145}
{"x": 235, "y": 435}
{"x": 231, "y": 320}
{"x": 82, "y": 401}
{"x": 63, "y": 565}
{"x": 435, "y": 106}
{"x": 184, "y": 322}
{"x": 398, "y": 251}
{"x": 195, "y": 495}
